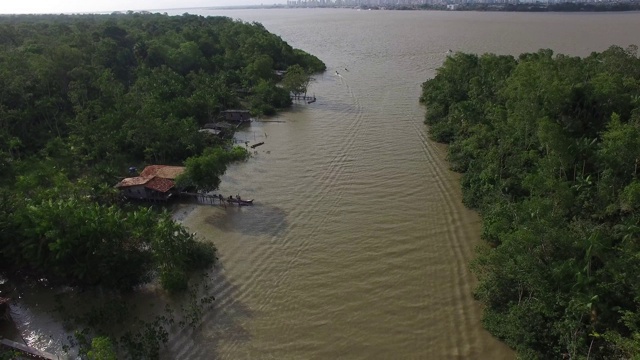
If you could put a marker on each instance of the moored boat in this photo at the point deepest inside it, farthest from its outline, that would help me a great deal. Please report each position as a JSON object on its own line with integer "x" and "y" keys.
{"x": 240, "y": 201}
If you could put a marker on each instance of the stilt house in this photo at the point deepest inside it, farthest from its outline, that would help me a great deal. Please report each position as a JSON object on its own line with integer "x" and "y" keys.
{"x": 155, "y": 182}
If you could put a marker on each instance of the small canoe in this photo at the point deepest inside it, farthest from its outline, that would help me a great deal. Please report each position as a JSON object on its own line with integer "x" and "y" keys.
{"x": 241, "y": 202}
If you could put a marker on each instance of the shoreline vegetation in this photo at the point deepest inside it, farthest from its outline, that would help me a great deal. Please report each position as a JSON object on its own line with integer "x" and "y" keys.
{"x": 83, "y": 98}
{"x": 549, "y": 147}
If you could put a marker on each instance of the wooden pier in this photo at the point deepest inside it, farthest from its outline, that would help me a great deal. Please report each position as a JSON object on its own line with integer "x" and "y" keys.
{"x": 210, "y": 199}
{"x": 25, "y": 351}
{"x": 308, "y": 99}
{"x": 216, "y": 199}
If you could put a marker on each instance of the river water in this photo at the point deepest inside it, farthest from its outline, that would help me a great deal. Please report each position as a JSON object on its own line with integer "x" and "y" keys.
{"x": 358, "y": 244}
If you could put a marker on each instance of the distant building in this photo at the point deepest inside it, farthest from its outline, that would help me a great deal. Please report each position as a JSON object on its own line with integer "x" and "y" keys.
{"x": 222, "y": 129}
{"x": 155, "y": 182}
{"x": 237, "y": 116}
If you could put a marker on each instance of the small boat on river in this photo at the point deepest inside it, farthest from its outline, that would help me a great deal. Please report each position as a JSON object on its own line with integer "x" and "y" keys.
{"x": 240, "y": 202}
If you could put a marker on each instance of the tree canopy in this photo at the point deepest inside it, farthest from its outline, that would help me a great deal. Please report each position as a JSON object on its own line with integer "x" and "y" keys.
{"x": 549, "y": 148}
{"x": 204, "y": 172}
{"x": 296, "y": 80}
{"x": 83, "y": 98}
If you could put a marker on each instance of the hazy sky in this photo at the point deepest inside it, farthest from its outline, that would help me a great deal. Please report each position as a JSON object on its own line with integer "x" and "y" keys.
{"x": 65, "y": 6}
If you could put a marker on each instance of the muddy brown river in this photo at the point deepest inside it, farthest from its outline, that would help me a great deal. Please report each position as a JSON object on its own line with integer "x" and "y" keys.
{"x": 358, "y": 245}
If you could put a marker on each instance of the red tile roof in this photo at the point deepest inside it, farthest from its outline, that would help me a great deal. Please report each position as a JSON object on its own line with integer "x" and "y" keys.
{"x": 134, "y": 181}
{"x": 160, "y": 184}
{"x": 163, "y": 171}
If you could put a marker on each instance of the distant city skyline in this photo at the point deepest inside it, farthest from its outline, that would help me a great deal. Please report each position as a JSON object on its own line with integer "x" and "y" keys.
{"x": 450, "y": 4}
{"x": 78, "y": 6}
{"x": 106, "y": 6}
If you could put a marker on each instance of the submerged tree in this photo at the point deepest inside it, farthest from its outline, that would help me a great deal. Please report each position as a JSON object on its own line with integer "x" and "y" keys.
{"x": 204, "y": 172}
{"x": 296, "y": 80}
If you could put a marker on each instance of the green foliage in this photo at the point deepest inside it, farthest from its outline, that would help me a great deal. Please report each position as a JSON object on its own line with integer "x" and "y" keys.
{"x": 145, "y": 344}
{"x": 85, "y": 243}
{"x": 111, "y": 328}
{"x": 267, "y": 97}
{"x": 102, "y": 349}
{"x": 261, "y": 69}
{"x": 204, "y": 171}
{"x": 127, "y": 88}
{"x": 238, "y": 153}
{"x": 549, "y": 146}
{"x": 177, "y": 252}
{"x": 9, "y": 354}
{"x": 296, "y": 80}
{"x": 83, "y": 97}
{"x": 173, "y": 280}
{"x": 309, "y": 62}
{"x": 77, "y": 241}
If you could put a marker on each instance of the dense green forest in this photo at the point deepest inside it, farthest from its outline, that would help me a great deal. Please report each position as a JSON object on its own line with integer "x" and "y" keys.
{"x": 549, "y": 147}
{"x": 82, "y": 98}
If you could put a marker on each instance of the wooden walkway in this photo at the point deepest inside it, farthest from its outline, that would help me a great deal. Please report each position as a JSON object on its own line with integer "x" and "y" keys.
{"x": 27, "y": 351}
{"x": 308, "y": 99}
{"x": 211, "y": 199}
